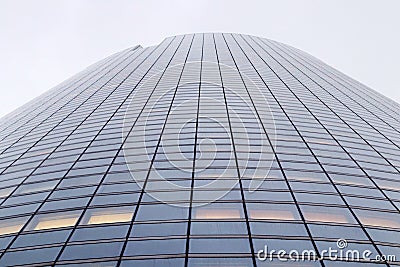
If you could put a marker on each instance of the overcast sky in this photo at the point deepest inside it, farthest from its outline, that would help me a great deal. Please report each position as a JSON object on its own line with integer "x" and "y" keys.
{"x": 43, "y": 42}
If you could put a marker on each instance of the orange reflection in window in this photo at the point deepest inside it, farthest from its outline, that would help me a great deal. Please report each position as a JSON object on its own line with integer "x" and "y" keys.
{"x": 325, "y": 217}
{"x": 5, "y": 192}
{"x": 9, "y": 226}
{"x": 55, "y": 223}
{"x": 110, "y": 218}
{"x": 271, "y": 215}
{"x": 108, "y": 215}
{"x": 377, "y": 221}
{"x": 54, "y": 220}
{"x": 217, "y": 214}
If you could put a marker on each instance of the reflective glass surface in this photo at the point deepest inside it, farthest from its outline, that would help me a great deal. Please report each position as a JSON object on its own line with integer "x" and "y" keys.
{"x": 199, "y": 151}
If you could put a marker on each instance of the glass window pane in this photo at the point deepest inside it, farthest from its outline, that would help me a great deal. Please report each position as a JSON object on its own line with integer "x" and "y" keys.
{"x": 108, "y": 215}
{"x": 154, "y": 263}
{"x": 327, "y": 214}
{"x": 9, "y": 226}
{"x": 100, "y": 232}
{"x": 41, "y": 238}
{"x": 218, "y": 228}
{"x": 220, "y": 262}
{"x": 219, "y": 211}
{"x": 264, "y": 211}
{"x": 89, "y": 251}
{"x": 155, "y": 247}
{"x": 156, "y": 229}
{"x": 54, "y": 220}
{"x": 278, "y": 229}
{"x": 161, "y": 212}
{"x": 29, "y": 256}
{"x": 380, "y": 219}
{"x": 220, "y": 245}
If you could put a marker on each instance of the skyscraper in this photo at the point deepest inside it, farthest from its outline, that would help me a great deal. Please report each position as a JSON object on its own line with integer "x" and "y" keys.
{"x": 204, "y": 150}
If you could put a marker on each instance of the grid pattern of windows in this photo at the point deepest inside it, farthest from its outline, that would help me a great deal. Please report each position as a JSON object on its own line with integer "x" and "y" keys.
{"x": 146, "y": 157}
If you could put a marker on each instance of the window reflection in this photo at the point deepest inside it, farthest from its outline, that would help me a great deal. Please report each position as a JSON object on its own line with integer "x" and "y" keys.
{"x": 325, "y": 217}
{"x": 380, "y": 219}
{"x": 36, "y": 187}
{"x": 217, "y": 214}
{"x": 9, "y": 226}
{"x": 54, "y": 220}
{"x": 306, "y": 176}
{"x": 220, "y": 262}
{"x": 271, "y": 215}
{"x": 6, "y": 191}
{"x": 273, "y": 212}
{"x": 108, "y": 215}
{"x": 327, "y": 214}
{"x": 171, "y": 262}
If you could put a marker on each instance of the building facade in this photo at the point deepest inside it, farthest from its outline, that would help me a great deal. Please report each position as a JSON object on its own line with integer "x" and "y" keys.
{"x": 204, "y": 150}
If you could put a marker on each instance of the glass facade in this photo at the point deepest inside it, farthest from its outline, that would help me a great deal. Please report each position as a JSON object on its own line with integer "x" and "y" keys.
{"x": 200, "y": 151}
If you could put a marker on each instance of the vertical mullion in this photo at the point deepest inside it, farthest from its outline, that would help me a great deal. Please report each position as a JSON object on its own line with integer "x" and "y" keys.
{"x": 155, "y": 152}
{"x": 236, "y": 160}
{"x": 194, "y": 158}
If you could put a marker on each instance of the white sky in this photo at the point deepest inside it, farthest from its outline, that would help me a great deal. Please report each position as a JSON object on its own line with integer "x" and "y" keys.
{"x": 43, "y": 42}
